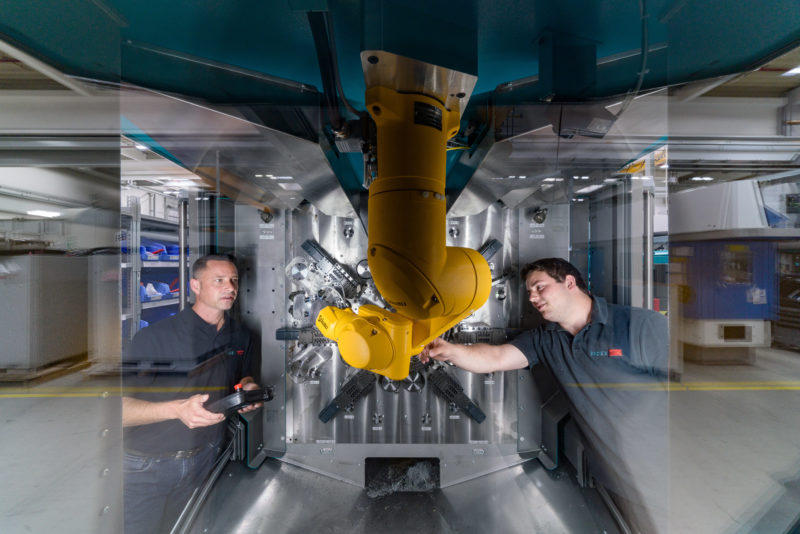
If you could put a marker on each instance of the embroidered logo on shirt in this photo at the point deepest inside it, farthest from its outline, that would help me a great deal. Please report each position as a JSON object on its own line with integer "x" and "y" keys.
{"x": 610, "y": 352}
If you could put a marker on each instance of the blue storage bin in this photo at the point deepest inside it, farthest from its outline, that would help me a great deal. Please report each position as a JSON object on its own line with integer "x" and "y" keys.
{"x": 173, "y": 253}
{"x": 124, "y": 249}
{"x": 153, "y": 250}
{"x": 162, "y": 288}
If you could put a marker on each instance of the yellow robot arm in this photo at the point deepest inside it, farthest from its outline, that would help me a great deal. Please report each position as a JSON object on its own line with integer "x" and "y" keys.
{"x": 431, "y": 286}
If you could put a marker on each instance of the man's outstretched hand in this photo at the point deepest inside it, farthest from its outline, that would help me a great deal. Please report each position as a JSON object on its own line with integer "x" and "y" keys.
{"x": 438, "y": 349}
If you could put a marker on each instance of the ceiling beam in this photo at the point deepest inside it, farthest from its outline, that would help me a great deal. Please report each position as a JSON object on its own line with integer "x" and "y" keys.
{"x": 45, "y": 69}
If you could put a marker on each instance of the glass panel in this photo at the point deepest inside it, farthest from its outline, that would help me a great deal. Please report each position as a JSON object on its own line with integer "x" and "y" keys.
{"x": 212, "y": 164}
{"x": 60, "y": 451}
{"x": 733, "y": 174}
{"x": 599, "y": 202}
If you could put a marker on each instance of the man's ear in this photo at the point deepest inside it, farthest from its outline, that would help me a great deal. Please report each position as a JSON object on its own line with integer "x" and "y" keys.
{"x": 569, "y": 280}
{"x": 194, "y": 283}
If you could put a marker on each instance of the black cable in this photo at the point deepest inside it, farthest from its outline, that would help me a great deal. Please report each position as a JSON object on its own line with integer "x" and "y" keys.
{"x": 326, "y": 70}
{"x": 335, "y": 60}
{"x": 643, "y": 65}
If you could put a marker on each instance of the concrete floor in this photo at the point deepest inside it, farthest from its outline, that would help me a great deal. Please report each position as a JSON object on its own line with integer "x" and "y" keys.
{"x": 735, "y": 446}
{"x": 60, "y": 457}
{"x": 734, "y": 451}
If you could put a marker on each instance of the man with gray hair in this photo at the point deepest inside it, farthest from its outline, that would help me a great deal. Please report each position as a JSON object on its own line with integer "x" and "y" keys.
{"x": 170, "y": 439}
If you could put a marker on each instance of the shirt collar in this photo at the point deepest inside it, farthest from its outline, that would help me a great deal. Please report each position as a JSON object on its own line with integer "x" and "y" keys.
{"x": 200, "y": 323}
{"x": 599, "y": 310}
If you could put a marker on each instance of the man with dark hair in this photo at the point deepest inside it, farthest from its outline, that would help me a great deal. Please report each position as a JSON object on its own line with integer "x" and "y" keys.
{"x": 170, "y": 439}
{"x": 611, "y": 362}
{"x": 558, "y": 270}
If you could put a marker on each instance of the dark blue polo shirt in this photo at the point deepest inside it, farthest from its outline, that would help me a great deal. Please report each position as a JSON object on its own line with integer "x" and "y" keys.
{"x": 217, "y": 360}
{"x": 620, "y": 343}
{"x": 614, "y": 374}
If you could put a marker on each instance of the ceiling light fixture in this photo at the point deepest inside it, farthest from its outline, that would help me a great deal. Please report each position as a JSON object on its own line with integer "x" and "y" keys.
{"x": 588, "y": 189}
{"x": 44, "y": 213}
{"x": 291, "y": 187}
{"x": 793, "y": 72}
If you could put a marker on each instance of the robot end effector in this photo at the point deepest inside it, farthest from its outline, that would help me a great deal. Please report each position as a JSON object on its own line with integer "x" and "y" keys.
{"x": 384, "y": 342}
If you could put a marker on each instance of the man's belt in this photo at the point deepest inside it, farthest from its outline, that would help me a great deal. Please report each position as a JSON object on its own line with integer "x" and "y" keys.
{"x": 169, "y": 455}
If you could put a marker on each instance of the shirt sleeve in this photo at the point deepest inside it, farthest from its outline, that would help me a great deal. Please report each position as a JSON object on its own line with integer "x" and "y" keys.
{"x": 143, "y": 346}
{"x": 653, "y": 343}
{"x": 525, "y": 343}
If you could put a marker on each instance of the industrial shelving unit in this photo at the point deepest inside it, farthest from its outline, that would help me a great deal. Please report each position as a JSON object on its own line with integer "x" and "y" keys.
{"x": 138, "y": 267}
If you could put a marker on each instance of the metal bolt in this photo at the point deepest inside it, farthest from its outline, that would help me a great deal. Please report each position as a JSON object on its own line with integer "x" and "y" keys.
{"x": 373, "y": 59}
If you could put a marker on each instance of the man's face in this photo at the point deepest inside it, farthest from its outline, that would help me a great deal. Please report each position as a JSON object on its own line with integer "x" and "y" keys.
{"x": 550, "y": 297}
{"x": 216, "y": 286}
